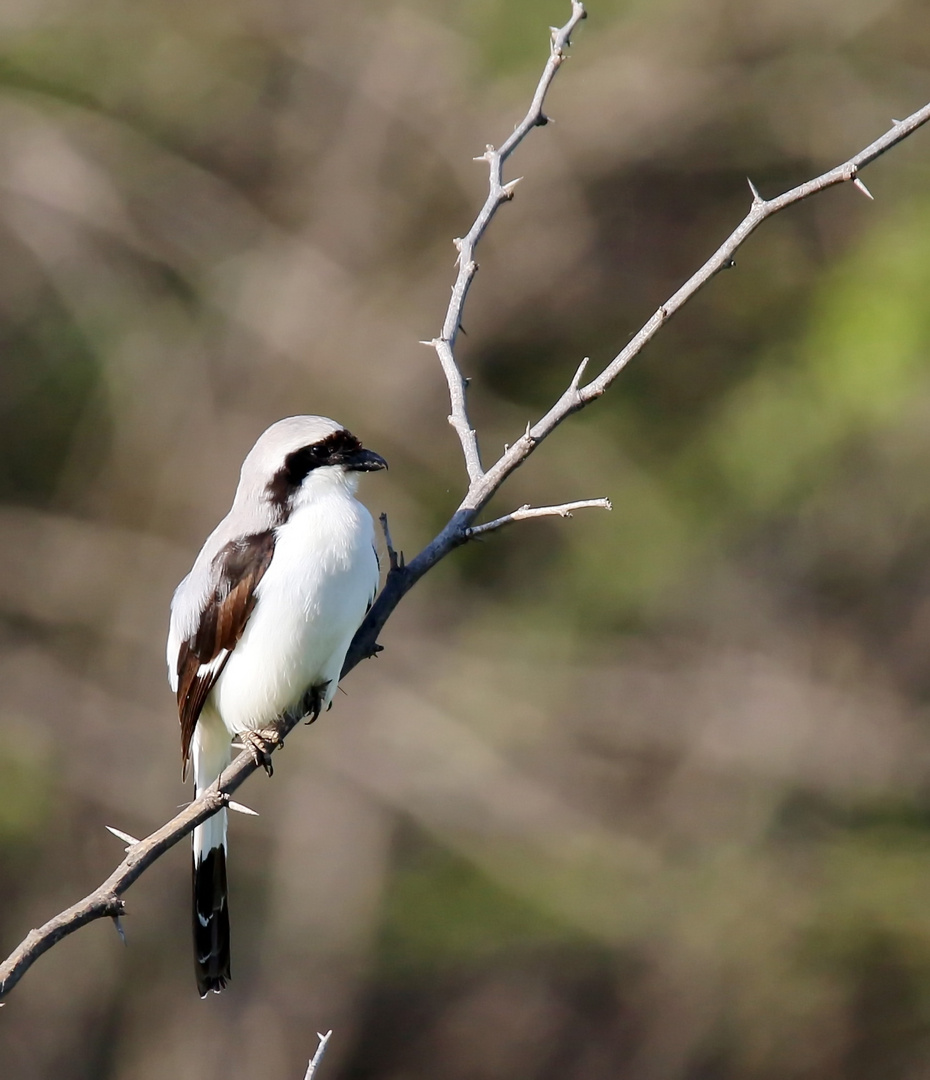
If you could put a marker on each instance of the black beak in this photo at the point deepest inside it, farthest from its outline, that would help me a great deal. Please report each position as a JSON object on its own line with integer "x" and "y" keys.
{"x": 364, "y": 461}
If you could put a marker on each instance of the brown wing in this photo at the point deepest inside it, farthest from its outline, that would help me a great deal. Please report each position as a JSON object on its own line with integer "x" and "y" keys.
{"x": 238, "y": 568}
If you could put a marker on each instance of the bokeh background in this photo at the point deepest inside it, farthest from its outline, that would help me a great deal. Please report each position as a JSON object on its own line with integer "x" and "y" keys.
{"x": 642, "y": 794}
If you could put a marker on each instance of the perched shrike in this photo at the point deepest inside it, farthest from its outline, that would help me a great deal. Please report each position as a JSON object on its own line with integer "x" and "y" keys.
{"x": 261, "y": 625}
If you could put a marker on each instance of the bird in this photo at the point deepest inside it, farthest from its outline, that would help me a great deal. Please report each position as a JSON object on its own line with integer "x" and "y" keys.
{"x": 260, "y": 627}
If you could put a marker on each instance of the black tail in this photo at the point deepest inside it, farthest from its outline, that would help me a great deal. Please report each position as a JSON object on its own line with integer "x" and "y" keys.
{"x": 211, "y": 922}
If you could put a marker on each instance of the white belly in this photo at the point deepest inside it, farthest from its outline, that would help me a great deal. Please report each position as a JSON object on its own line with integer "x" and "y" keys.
{"x": 311, "y": 600}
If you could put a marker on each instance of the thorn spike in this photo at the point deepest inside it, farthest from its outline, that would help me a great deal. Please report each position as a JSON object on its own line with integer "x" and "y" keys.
{"x": 858, "y": 184}
{"x": 120, "y": 835}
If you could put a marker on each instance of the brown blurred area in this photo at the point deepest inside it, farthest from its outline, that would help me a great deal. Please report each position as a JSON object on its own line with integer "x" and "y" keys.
{"x": 642, "y": 794}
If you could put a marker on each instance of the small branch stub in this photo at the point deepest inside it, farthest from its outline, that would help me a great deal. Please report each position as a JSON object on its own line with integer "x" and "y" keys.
{"x": 579, "y": 373}
{"x": 395, "y": 558}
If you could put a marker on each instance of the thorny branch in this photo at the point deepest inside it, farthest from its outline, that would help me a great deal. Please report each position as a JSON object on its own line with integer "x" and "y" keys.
{"x": 107, "y": 900}
{"x": 482, "y": 486}
{"x": 318, "y": 1056}
{"x": 498, "y": 193}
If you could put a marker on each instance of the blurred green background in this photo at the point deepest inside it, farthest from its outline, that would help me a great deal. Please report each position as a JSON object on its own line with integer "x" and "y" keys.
{"x": 642, "y": 794}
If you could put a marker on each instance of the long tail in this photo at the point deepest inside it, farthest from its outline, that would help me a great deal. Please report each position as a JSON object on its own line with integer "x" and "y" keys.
{"x": 211, "y": 754}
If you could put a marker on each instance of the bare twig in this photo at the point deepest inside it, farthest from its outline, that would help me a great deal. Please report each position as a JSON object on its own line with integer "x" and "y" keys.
{"x": 107, "y": 899}
{"x": 318, "y": 1056}
{"x": 564, "y": 510}
{"x": 722, "y": 258}
{"x": 498, "y": 193}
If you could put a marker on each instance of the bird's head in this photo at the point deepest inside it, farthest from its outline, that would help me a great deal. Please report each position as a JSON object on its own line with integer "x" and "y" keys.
{"x": 304, "y": 453}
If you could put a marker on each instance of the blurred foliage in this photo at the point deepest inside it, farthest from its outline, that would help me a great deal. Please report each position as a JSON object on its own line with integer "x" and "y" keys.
{"x": 640, "y": 794}
{"x": 46, "y": 385}
{"x": 441, "y": 912}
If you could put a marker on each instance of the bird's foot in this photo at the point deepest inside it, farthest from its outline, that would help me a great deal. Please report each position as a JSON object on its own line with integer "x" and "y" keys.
{"x": 260, "y": 745}
{"x": 311, "y": 704}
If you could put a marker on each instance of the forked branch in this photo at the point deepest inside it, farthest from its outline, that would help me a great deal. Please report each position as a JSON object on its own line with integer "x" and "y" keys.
{"x": 484, "y": 484}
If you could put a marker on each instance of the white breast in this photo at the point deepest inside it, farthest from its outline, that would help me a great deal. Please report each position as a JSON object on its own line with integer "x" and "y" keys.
{"x": 321, "y": 579}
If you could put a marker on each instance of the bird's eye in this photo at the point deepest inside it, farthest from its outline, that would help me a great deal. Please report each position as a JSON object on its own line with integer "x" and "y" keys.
{"x": 299, "y": 463}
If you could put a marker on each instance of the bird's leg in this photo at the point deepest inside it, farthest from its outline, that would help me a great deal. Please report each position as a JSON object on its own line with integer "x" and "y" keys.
{"x": 260, "y": 745}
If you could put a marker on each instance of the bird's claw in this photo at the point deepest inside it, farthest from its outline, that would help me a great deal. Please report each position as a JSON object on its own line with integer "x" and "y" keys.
{"x": 261, "y": 744}
{"x": 312, "y": 702}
